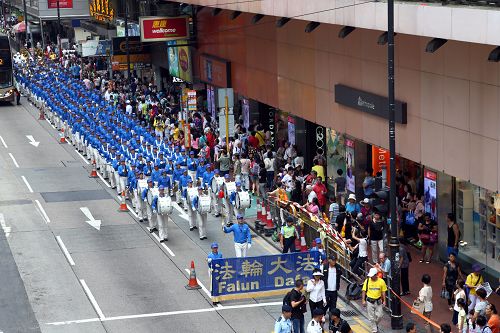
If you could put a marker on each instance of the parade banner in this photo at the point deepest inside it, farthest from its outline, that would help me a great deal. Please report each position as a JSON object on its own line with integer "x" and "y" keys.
{"x": 234, "y": 278}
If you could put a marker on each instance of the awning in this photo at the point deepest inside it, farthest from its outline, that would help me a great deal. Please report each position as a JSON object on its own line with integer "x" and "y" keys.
{"x": 20, "y": 27}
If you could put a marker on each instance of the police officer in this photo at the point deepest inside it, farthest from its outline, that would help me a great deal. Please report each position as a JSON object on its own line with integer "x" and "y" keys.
{"x": 288, "y": 235}
{"x": 284, "y": 324}
{"x": 162, "y": 216}
{"x": 316, "y": 325}
{"x": 201, "y": 217}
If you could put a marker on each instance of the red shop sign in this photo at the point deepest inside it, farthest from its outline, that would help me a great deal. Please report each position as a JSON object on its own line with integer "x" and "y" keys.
{"x": 156, "y": 28}
{"x": 62, "y": 4}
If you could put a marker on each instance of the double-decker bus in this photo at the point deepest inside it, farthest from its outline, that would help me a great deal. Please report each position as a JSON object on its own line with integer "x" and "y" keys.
{"x": 6, "y": 74}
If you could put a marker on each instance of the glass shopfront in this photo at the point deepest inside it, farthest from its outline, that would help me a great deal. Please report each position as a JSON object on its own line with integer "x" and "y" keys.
{"x": 478, "y": 215}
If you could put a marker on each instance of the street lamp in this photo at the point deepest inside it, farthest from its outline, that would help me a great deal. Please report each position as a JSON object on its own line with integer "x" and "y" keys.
{"x": 396, "y": 318}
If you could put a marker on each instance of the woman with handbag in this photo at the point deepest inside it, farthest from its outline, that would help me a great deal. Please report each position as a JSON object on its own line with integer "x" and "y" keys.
{"x": 451, "y": 273}
{"x": 428, "y": 236}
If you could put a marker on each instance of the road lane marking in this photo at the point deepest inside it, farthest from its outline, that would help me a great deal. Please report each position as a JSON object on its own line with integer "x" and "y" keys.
{"x": 27, "y": 184}
{"x": 102, "y": 178}
{"x": 265, "y": 245}
{"x": 6, "y": 229}
{"x": 14, "y": 160}
{"x": 164, "y": 314}
{"x": 3, "y": 142}
{"x": 92, "y": 300}
{"x": 164, "y": 246}
{"x": 83, "y": 158}
{"x": 131, "y": 210}
{"x": 50, "y": 123}
{"x": 42, "y": 211}
{"x": 65, "y": 251}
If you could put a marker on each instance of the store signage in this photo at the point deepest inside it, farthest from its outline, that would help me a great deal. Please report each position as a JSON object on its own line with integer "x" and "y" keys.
{"x": 380, "y": 162}
{"x": 215, "y": 71}
{"x": 430, "y": 192}
{"x": 101, "y": 10}
{"x": 370, "y": 103}
{"x": 157, "y": 29}
{"x": 139, "y": 52}
{"x": 52, "y": 4}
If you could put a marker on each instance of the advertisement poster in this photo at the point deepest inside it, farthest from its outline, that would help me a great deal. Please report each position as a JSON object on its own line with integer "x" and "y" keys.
{"x": 349, "y": 156}
{"x": 184, "y": 60}
{"x": 245, "y": 110}
{"x": 173, "y": 60}
{"x": 430, "y": 196}
{"x": 291, "y": 130}
{"x": 191, "y": 101}
{"x": 380, "y": 163}
{"x": 211, "y": 101}
{"x": 335, "y": 152}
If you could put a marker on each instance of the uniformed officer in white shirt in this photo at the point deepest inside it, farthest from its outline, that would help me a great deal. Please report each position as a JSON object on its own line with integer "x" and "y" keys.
{"x": 316, "y": 323}
{"x": 284, "y": 324}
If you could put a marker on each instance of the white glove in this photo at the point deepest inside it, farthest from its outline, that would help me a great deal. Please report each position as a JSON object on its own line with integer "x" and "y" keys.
{"x": 249, "y": 246}
{"x": 154, "y": 211}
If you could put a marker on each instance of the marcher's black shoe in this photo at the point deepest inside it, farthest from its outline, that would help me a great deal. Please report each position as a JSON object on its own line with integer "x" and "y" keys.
{"x": 152, "y": 230}
{"x": 191, "y": 229}
{"x": 195, "y": 227}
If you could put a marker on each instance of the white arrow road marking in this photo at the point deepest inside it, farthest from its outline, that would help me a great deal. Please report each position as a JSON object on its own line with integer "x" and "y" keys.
{"x": 182, "y": 213}
{"x": 5, "y": 228}
{"x": 3, "y": 142}
{"x": 93, "y": 222}
{"x": 32, "y": 141}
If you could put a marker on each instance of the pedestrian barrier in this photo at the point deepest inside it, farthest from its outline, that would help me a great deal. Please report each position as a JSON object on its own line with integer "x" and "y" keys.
{"x": 193, "y": 281}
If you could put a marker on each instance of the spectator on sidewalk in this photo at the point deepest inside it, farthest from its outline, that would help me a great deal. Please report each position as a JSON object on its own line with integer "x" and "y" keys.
{"x": 373, "y": 297}
{"x": 352, "y": 205}
{"x": 459, "y": 293}
{"x": 461, "y": 316}
{"x": 284, "y": 324}
{"x": 337, "y": 324}
{"x": 482, "y": 324}
{"x": 316, "y": 289}
{"x": 493, "y": 318}
{"x": 298, "y": 303}
{"x": 427, "y": 229}
{"x": 358, "y": 263}
{"x": 453, "y": 234}
{"x": 404, "y": 265}
{"x": 368, "y": 183}
{"x": 481, "y": 303}
{"x": 339, "y": 186}
{"x": 474, "y": 280}
{"x": 331, "y": 276}
{"x": 425, "y": 296}
{"x": 383, "y": 266}
{"x": 411, "y": 328}
{"x": 376, "y": 234}
{"x": 451, "y": 273}
{"x": 444, "y": 328}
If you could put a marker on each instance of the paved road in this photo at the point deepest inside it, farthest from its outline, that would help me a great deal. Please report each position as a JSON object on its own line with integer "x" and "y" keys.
{"x": 118, "y": 279}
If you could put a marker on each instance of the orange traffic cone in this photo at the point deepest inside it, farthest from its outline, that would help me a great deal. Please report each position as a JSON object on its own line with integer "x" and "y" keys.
{"x": 263, "y": 214}
{"x": 123, "y": 205}
{"x": 41, "y": 115}
{"x": 193, "y": 281}
{"x": 259, "y": 208}
{"x": 62, "y": 139}
{"x": 303, "y": 245}
{"x": 93, "y": 173}
{"x": 269, "y": 220}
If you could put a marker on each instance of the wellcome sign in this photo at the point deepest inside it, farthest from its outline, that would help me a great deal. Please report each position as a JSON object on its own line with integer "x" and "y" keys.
{"x": 157, "y": 29}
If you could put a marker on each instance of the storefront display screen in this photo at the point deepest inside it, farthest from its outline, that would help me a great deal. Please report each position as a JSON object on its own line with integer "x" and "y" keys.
{"x": 173, "y": 59}
{"x": 349, "y": 156}
{"x": 430, "y": 178}
{"x": 211, "y": 101}
{"x": 335, "y": 152}
{"x": 291, "y": 130}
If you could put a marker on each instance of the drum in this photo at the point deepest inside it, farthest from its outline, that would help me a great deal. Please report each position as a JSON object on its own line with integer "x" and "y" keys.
{"x": 204, "y": 204}
{"x": 191, "y": 193}
{"x": 229, "y": 188}
{"x": 216, "y": 184}
{"x": 152, "y": 193}
{"x": 164, "y": 205}
{"x": 142, "y": 184}
{"x": 242, "y": 200}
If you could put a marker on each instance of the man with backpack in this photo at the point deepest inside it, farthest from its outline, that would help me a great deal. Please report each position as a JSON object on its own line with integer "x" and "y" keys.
{"x": 337, "y": 324}
{"x": 297, "y": 301}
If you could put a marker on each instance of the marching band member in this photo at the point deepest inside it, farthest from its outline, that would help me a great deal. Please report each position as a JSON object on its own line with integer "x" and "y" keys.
{"x": 192, "y": 166}
{"x": 123, "y": 171}
{"x": 201, "y": 215}
{"x": 149, "y": 211}
{"x": 215, "y": 191}
{"x": 162, "y": 207}
{"x": 189, "y": 196}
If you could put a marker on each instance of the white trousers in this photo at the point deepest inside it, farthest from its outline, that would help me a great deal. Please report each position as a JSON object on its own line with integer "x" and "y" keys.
{"x": 192, "y": 217}
{"x": 202, "y": 224}
{"x": 151, "y": 217}
{"x": 240, "y": 249}
{"x": 229, "y": 210}
{"x": 162, "y": 225}
{"x": 192, "y": 174}
{"x": 122, "y": 184}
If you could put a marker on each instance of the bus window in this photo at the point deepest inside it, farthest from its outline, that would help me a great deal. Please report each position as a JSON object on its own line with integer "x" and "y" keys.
{"x": 5, "y": 79}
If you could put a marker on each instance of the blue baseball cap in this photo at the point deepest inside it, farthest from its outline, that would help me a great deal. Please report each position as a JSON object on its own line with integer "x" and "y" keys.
{"x": 190, "y": 181}
{"x": 216, "y": 171}
{"x": 318, "y": 240}
{"x": 214, "y": 245}
{"x": 150, "y": 180}
{"x": 200, "y": 188}
{"x": 238, "y": 183}
{"x": 239, "y": 216}
{"x": 161, "y": 187}
{"x": 226, "y": 176}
